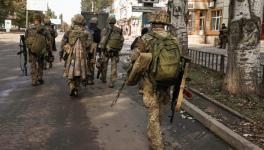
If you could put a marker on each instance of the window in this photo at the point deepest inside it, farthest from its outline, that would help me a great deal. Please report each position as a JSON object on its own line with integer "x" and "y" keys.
{"x": 202, "y": 20}
{"x": 191, "y": 21}
{"x": 216, "y": 20}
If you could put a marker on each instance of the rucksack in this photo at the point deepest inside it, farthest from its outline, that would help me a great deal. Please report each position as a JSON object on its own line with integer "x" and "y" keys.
{"x": 39, "y": 44}
{"x": 165, "y": 59}
{"x": 116, "y": 40}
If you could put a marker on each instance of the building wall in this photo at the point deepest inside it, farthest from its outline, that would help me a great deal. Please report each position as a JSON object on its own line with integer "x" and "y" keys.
{"x": 208, "y": 35}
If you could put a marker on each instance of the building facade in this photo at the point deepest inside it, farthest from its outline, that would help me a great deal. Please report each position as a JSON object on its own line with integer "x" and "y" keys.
{"x": 131, "y": 22}
{"x": 205, "y": 20}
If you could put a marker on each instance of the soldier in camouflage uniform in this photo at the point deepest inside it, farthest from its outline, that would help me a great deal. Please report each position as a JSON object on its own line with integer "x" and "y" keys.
{"x": 36, "y": 34}
{"x": 76, "y": 43}
{"x": 111, "y": 44}
{"x": 49, "y": 58}
{"x": 96, "y": 33}
{"x": 154, "y": 93}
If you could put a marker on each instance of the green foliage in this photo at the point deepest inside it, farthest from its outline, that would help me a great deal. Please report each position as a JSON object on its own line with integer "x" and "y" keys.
{"x": 86, "y": 5}
{"x": 17, "y": 10}
{"x": 5, "y": 8}
{"x": 51, "y": 14}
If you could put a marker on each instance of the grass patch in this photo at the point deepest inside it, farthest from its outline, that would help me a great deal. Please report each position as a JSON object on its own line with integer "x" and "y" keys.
{"x": 210, "y": 83}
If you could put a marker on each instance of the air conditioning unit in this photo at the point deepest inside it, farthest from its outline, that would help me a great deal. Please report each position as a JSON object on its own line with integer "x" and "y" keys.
{"x": 190, "y": 5}
{"x": 211, "y": 4}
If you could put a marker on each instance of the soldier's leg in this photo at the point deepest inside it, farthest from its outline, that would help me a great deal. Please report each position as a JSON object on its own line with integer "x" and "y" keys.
{"x": 90, "y": 65}
{"x": 71, "y": 84}
{"x": 104, "y": 67}
{"x": 40, "y": 69}
{"x": 34, "y": 75}
{"x": 73, "y": 87}
{"x": 151, "y": 102}
{"x": 113, "y": 78}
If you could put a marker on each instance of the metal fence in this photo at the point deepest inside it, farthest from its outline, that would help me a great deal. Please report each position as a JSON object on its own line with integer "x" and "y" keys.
{"x": 216, "y": 62}
{"x": 212, "y": 61}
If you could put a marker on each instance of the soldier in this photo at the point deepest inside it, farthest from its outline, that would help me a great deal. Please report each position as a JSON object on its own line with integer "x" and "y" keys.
{"x": 76, "y": 43}
{"x": 223, "y": 36}
{"x": 96, "y": 33}
{"x": 54, "y": 34}
{"x": 158, "y": 58}
{"x": 111, "y": 44}
{"x": 49, "y": 58}
{"x": 36, "y": 42}
{"x": 137, "y": 41}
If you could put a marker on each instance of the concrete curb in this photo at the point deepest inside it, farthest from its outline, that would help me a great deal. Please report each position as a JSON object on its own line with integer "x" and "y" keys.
{"x": 222, "y": 105}
{"x": 219, "y": 129}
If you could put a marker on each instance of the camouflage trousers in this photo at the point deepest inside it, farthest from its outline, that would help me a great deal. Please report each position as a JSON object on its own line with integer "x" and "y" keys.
{"x": 37, "y": 65}
{"x": 91, "y": 68}
{"x": 154, "y": 98}
{"x": 114, "y": 61}
{"x": 74, "y": 84}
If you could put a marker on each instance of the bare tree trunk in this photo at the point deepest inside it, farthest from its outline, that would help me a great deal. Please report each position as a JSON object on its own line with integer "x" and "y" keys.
{"x": 243, "y": 70}
{"x": 179, "y": 21}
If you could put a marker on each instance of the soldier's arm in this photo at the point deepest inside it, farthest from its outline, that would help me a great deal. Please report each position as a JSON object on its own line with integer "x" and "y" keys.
{"x": 89, "y": 40}
{"x": 103, "y": 39}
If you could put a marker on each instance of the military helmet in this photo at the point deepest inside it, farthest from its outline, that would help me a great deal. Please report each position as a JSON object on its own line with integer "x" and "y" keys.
{"x": 94, "y": 20}
{"x": 47, "y": 21}
{"x": 38, "y": 17}
{"x": 111, "y": 20}
{"x": 78, "y": 19}
{"x": 159, "y": 17}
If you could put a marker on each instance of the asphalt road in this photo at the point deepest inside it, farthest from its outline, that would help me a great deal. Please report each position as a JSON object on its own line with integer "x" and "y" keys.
{"x": 46, "y": 118}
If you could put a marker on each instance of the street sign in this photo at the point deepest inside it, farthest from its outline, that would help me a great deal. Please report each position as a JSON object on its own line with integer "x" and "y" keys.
{"x": 38, "y": 5}
{"x": 145, "y": 9}
{"x": 148, "y": 1}
{"x": 56, "y": 21}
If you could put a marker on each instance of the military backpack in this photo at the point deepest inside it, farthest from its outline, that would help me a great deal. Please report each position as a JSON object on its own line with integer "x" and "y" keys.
{"x": 36, "y": 40}
{"x": 115, "y": 41}
{"x": 165, "y": 59}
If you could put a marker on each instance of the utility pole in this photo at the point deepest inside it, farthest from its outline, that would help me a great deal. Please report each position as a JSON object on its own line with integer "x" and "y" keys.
{"x": 92, "y": 5}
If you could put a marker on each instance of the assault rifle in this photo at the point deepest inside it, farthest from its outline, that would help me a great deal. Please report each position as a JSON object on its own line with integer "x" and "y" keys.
{"x": 23, "y": 55}
{"x": 179, "y": 87}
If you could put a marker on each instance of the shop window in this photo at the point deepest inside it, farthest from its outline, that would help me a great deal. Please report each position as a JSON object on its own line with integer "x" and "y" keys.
{"x": 216, "y": 20}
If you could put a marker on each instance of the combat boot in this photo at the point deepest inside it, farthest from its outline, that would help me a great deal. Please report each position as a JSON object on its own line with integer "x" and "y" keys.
{"x": 103, "y": 79}
{"x": 90, "y": 82}
{"x": 34, "y": 84}
{"x": 72, "y": 89}
{"x": 111, "y": 84}
{"x": 40, "y": 81}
